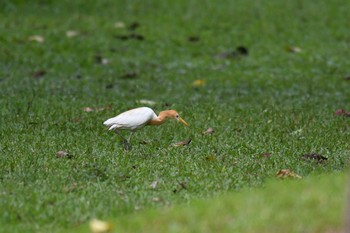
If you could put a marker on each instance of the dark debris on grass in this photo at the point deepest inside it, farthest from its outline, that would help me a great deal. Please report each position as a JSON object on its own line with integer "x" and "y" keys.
{"x": 239, "y": 52}
{"x": 314, "y": 156}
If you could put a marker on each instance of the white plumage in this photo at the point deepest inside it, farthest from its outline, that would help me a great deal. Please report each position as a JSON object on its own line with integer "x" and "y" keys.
{"x": 133, "y": 119}
{"x": 137, "y": 118}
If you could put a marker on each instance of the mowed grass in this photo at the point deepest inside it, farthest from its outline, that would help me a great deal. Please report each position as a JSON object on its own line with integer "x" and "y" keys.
{"x": 271, "y": 101}
{"x": 316, "y": 204}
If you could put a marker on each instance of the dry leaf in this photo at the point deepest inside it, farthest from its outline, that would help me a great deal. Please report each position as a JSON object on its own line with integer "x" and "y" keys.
{"x": 342, "y": 112}
{"x": 339, "y": 112}
{"x": 99, "y": 109}
{"x": 76, "y": 119}
{"x": 147, "y": 102}
{"x": 119, "y": 24}
{"x": 63, "y": 154}
{"x": 293, "y": 49}
{"x": 198, "y": 83}
{"x": 154, "y": 184}
{"x": 37, "y": 38}
{"x": 265, "y": 155}
{"x": 287, "y": 173}
{"x": 209, "y": 131}
{"x": 71, "y": 33}
{"x": 38, "y": 73}
{"x": 98, "y": 226}
{"x": 183, "y": 143}
{"x": 88, "y": 109}
{"x": 108, "y": 107}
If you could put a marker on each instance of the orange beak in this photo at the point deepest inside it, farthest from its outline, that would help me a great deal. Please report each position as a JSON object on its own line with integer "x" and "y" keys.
{"x": 183, "y": 122}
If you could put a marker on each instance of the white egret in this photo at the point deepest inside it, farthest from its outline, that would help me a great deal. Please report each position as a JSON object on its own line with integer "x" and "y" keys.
{"x": 137, "y": 118}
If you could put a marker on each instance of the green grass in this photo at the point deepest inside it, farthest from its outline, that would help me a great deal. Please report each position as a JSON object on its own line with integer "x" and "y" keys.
{"x": 316, "y": 204}
{"x": 271, "y": 101}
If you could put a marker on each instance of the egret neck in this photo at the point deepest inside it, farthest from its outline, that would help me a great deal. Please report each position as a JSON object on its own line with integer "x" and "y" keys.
{"x": 163, "y": 116}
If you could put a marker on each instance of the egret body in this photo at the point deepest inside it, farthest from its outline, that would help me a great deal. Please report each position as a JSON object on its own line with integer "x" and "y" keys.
{"x": 137, "y": 118}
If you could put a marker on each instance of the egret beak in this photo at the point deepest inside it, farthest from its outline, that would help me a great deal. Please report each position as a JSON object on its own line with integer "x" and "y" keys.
{"x": 183, "y": 122}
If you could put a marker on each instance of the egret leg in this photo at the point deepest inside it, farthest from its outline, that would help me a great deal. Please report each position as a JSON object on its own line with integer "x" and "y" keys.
{"x": 128, "y": 145}
{"x": 131, "y": 133}
{"x": 125, "y": 142}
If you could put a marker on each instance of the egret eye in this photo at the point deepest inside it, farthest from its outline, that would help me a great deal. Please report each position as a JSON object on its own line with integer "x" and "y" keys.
{"x": 177, "y": 116}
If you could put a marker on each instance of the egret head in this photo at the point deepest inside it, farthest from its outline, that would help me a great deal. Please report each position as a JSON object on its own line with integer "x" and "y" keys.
{"x": 175, "y": 115}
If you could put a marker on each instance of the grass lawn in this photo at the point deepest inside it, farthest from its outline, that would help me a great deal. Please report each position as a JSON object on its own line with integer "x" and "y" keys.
{"x": 66, "y": 66}
{"x": 316, "y": 204}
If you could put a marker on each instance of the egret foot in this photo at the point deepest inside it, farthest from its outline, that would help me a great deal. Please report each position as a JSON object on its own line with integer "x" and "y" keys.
{"x": 127, "y": 145}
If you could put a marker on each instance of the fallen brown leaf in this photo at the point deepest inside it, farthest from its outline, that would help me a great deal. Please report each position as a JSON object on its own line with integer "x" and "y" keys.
{"x": 339, "y": 112}
{"x": 293, "y": 49}
{"x": 147, "y": 102}
{"x": 38, "y": 74}
{"x": 265, "y": 155}
{"x": 342, "y": 112}
{"x": 99, "y": 109}
{"x": 183, "y": 143}
{"x": 63, "y": 154}
{"x": 209, "y": 131}
{"x": 71, "y": 33}
{"x": 36, "y": 38}
{"x": 76, "y": 119}
{"x": 284, "y": 173}
{"x": 88, "y": 109}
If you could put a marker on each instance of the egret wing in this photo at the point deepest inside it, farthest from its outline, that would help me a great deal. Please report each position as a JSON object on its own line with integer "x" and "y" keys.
{"x": 131, "y": 120}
